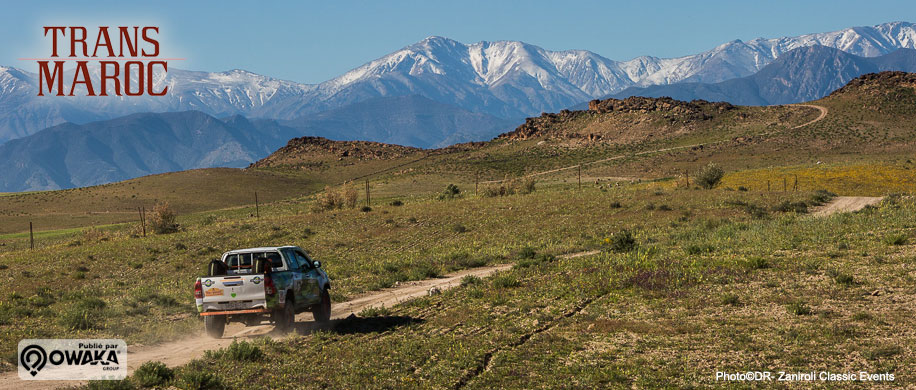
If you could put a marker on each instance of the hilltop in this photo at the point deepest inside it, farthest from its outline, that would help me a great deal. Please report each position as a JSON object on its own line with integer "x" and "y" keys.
{"x": 303, "y": 151}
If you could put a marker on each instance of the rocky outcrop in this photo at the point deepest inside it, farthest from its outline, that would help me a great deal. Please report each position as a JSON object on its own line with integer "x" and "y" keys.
{"x": 881, "y": 80}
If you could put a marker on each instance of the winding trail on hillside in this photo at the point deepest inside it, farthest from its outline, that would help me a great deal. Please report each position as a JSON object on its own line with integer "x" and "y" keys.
{"x": 823, "y": 114}
{"x": 846, "y": 204}
{"x": 176, "y": 353}
{"x": 820, "y": 117}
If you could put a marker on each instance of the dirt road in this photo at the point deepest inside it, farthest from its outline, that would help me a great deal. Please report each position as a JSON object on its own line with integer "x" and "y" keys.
{"x": 823, "y": 114}
{"x": 845, "y": 204}
{"x": 182, "y": 351}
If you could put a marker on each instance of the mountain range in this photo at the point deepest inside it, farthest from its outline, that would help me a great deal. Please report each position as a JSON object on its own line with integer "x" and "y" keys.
{"x": 71, "y": 155}
{"x": 432, "y": 93}
{"x": 803, "y": 74}
{"x": 505, "y": 79}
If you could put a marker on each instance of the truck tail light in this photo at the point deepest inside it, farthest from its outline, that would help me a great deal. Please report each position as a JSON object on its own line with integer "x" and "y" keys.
{"x": 269, "y": 287}
{"x": 198, "y": 290}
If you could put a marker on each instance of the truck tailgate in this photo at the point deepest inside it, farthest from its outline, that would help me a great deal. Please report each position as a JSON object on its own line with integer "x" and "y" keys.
{"x": 233, "y": 292}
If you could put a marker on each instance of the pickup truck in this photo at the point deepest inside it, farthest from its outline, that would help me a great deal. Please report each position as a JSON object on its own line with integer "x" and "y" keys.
{"x": 257, "y": 284}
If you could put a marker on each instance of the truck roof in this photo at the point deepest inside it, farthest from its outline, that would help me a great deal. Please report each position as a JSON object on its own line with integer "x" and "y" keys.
{"x": 260, "y": 249}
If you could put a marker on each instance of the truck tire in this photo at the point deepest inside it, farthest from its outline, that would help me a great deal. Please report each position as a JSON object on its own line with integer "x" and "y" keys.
{"x": 217, "y": 268}
{"x": 285, "y": 318}
{"x": 322, "y": 311}
{"x": 215, "y": 326}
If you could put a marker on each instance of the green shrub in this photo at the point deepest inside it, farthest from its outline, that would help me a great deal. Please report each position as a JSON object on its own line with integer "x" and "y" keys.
{"x": 396, "y": 203}
{"x": 83, "y": 314}
{"x": 471, "y": 280}
{"x": 895, "y": 239}
{"x": 199, "y": 380}
{"x": 242, "y": 351}
{"x": 822, "y": 196}
{"x": 374, "y": 311}
{"x": 366, "y": 209}
{"x": 153, "y": 374}
{"x": 615, "y": 205}
{"x": 696, "y": 249}
{"x": 451, "y": 192}
{"x": 709, "y": 176}
{"x": 505, "y": 281}
{"x": 621, "y": 241}
{"x": 730, "y": 299}
{"x": 758, "y": 263}
{"x": 527, "y": 253}
{"x": 799, "y": 309}
{"x": 796, "y": 207}
{"x": 459, "y": 228}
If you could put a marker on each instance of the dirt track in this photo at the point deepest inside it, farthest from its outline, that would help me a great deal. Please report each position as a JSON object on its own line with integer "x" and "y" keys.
{"x": 845, "y": 204}
{"x": 182, "y": 351}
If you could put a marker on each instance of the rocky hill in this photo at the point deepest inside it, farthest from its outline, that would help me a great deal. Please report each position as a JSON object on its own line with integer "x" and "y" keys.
{"x": 661, "y": 112}
{"x": 305, "y": 151}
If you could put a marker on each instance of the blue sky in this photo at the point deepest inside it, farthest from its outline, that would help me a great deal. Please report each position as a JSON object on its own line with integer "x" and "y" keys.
{"x": 314, "y": 41}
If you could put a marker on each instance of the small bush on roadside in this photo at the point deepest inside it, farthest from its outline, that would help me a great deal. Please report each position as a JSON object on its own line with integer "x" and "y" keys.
{"x": 397, "y": 203}
{"x": 471, "y": 280}
{"x": 374, "y": 311}
{"x": 153, "y": 374}
{"x": 615, "y": 205}
{"x": 709, "y": 176}
{"x": 796, "y": 207}
{"x": 162, "y": 219}
{"x": 822, "y": 196}
{"x": 366, "y": 209}
{"x": 242, "y": 351}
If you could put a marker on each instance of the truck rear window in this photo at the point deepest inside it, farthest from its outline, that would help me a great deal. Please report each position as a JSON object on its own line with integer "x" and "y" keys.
{"x": 242, "y": 262}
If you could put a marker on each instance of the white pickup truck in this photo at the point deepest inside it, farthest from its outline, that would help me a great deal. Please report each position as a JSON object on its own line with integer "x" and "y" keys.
{"x": 257, "y": 284}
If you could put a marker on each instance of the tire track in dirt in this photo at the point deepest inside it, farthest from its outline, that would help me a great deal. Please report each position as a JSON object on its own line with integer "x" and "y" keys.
{"x": 487, "y": 360}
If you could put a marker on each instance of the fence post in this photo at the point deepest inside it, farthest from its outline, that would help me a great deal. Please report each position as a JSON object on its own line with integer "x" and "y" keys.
{"x": 795, "y": 186}
{"x": 367, "y": 193}
{"x": 257, "y": 206}
{"x": 476, "y": 182}
{"x": 142, "y": 220}
{"x": 768, "y": 186}
{"x": 31, "y": 237}
{"x": 580, "y": 176}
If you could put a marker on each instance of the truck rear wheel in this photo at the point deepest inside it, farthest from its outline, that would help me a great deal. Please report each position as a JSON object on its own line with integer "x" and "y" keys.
{"x": 215, "y": 326}
{"x": 322, "y": 311}
{"x": 285, "y": 317}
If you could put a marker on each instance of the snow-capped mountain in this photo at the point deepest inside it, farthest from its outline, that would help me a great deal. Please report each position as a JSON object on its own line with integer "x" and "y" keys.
{"x": 505, "y": 79}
